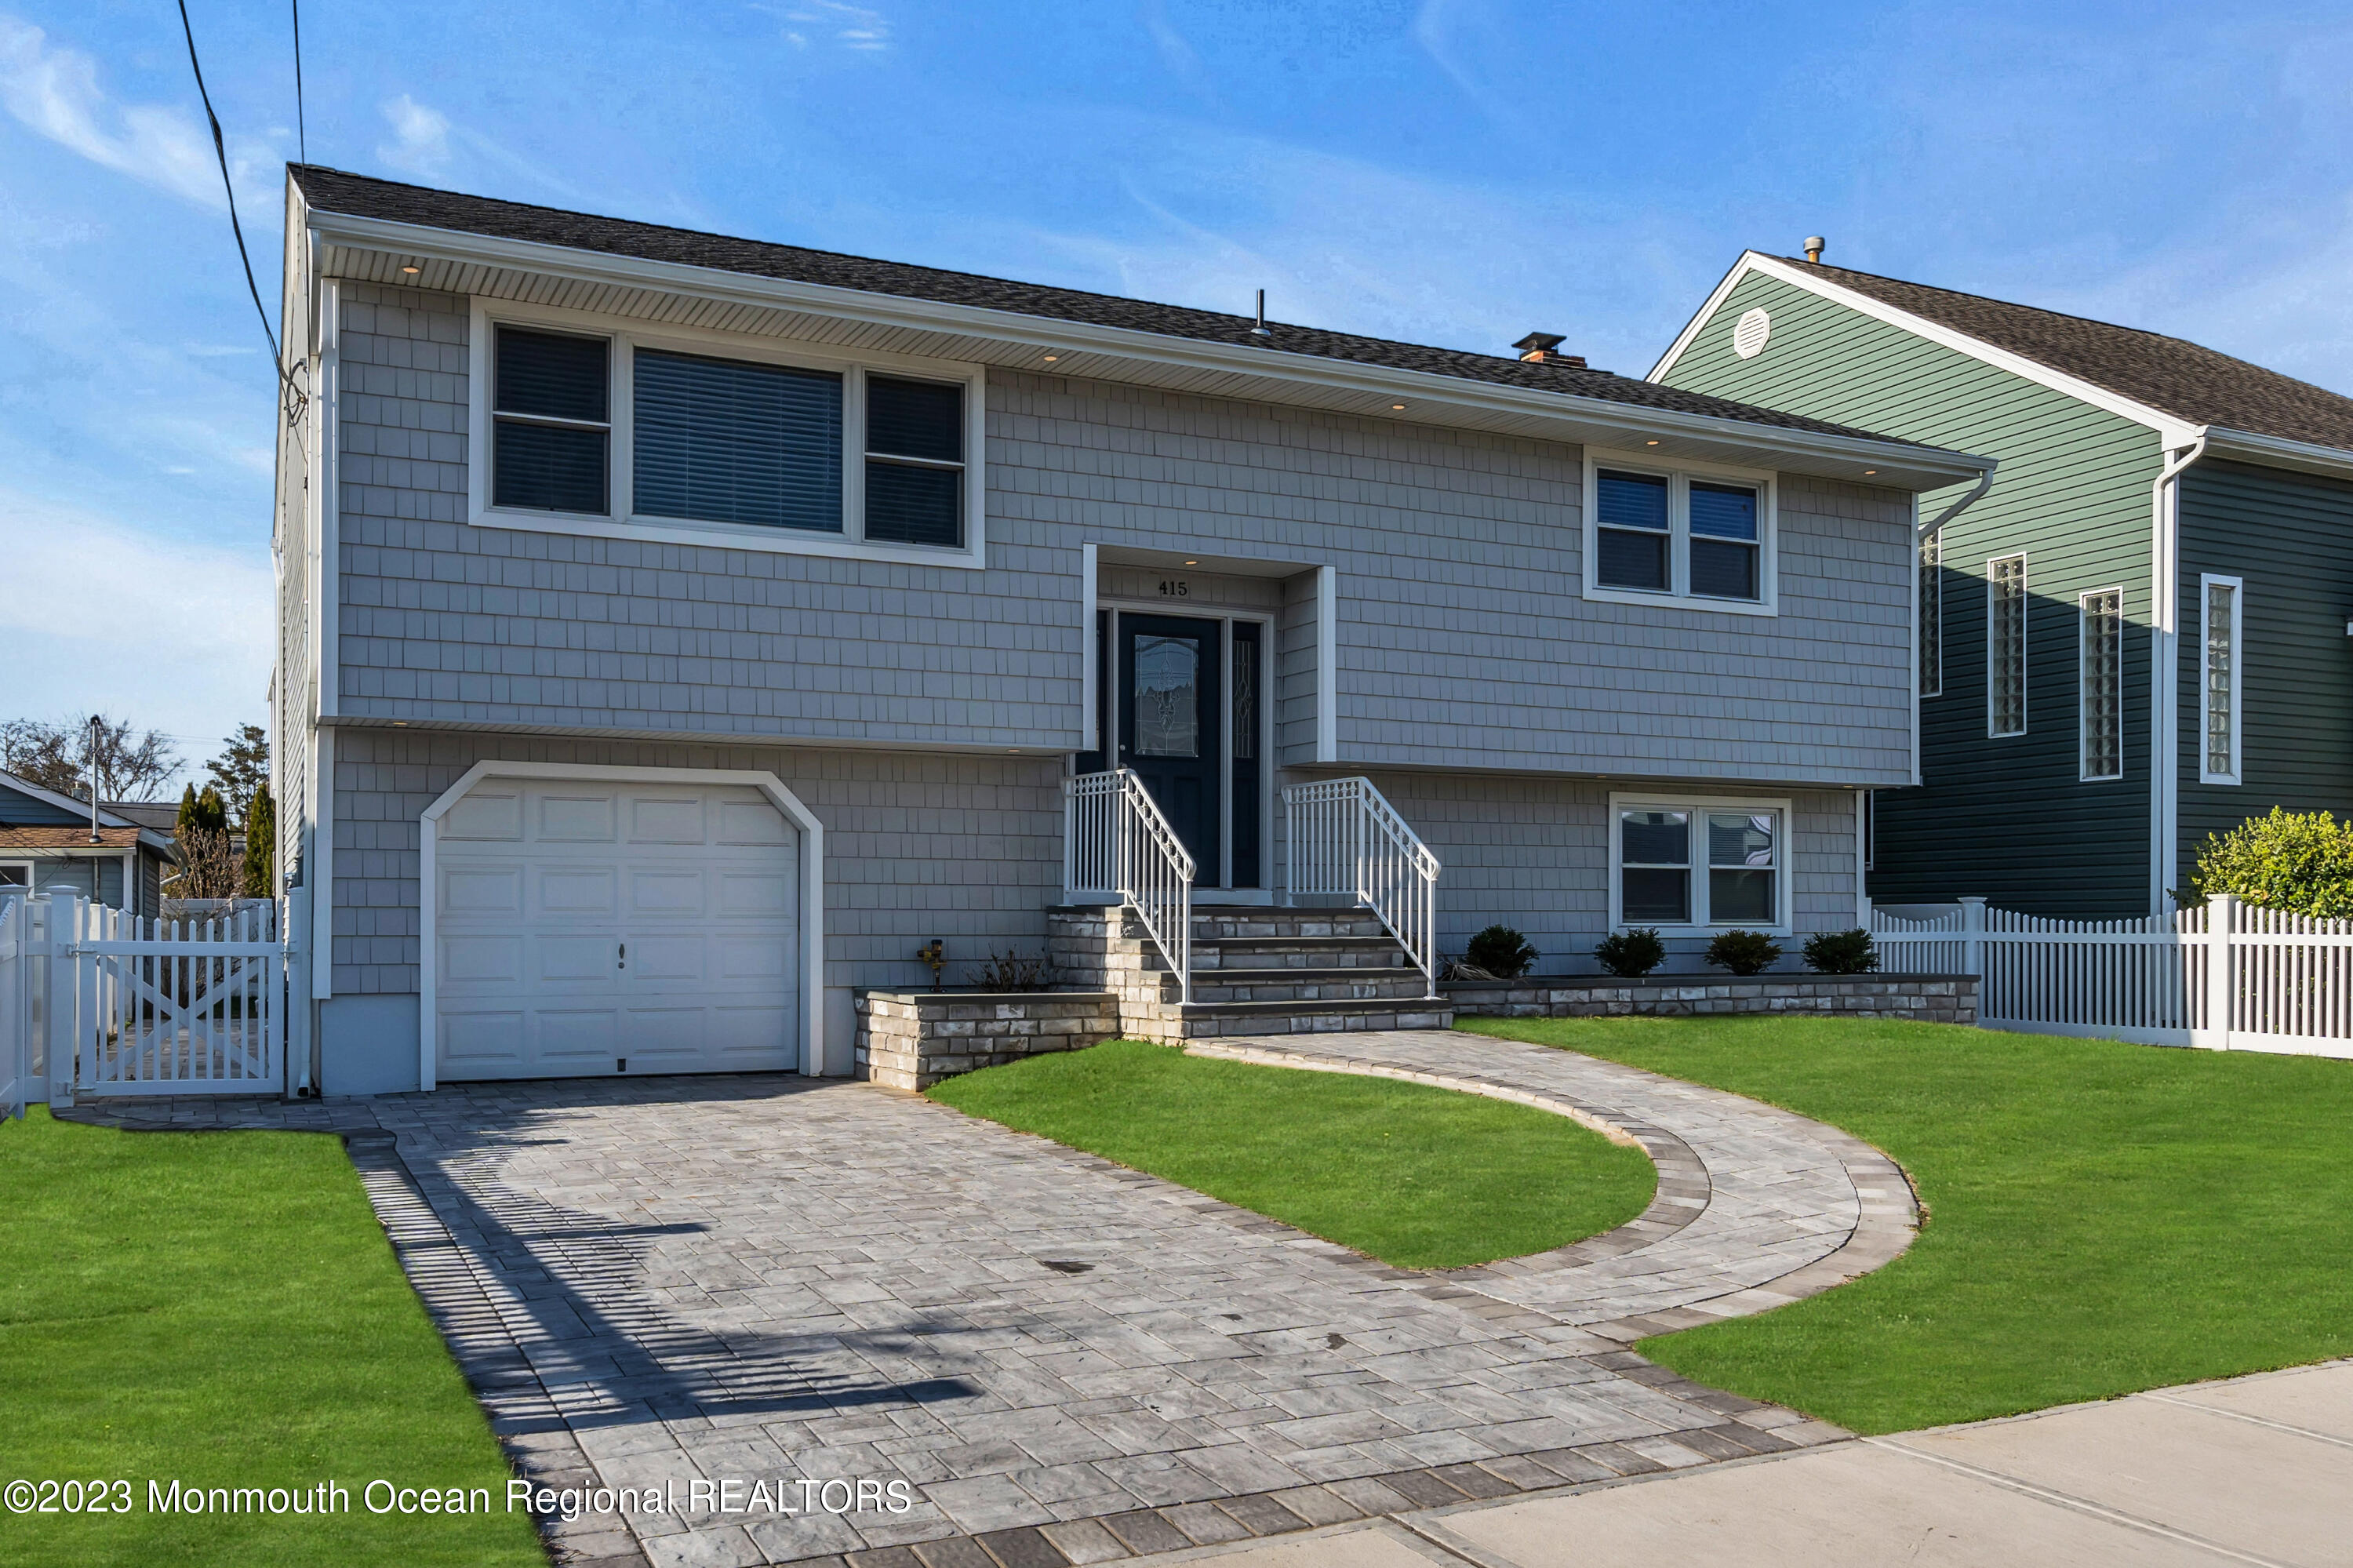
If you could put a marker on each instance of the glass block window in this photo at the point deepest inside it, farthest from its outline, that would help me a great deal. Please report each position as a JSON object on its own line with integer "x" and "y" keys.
{"x": 1725, "y": 542}
{"x": 915, "y": 461}
{"x": 2006, "y": 646}
{"x": 1932, "y": 616}
{"x": 2219, "y": 639}
{"x": 1699, "y": 866}
{"x": 550, "y": 422}
{"x": 1634, "y": 538}
{"x": 723, "y": 441}
{"x": 2102, "y": 675}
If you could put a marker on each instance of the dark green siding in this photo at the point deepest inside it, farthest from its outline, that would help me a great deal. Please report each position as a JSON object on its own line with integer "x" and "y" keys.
{"x": 2290, "y": 536}
{"x": 2008, "y": 818}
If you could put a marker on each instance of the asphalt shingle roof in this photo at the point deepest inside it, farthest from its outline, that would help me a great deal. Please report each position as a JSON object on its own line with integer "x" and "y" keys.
{"x": 2174, "y": 376}
{"x": 362, "y": 196}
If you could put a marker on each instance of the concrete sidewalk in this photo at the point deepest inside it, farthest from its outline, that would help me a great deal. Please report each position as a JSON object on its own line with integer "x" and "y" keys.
{"x": 2256, "y": 1470}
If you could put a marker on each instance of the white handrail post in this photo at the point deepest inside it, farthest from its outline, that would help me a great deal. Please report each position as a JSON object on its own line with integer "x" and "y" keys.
{"x": 1973, "y": 925}
{"x": 2221, "y": 980}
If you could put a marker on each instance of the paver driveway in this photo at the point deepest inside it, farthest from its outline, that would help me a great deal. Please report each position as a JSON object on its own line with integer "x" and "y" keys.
{"x": 771, "y": 1280}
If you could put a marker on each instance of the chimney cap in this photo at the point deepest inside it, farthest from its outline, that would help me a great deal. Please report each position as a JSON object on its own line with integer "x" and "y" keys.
{"x": 1538, "y": 343}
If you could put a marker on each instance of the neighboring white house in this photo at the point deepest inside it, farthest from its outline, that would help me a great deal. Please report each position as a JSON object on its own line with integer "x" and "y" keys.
{"x": 678, "y": 631}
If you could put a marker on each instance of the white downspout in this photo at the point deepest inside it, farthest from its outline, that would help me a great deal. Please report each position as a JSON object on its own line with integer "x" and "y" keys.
{"x": 2165, "y": 654}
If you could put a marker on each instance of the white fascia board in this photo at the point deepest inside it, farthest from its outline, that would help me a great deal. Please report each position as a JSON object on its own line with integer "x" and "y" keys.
{"x": 897, "y": 311}
{"x": 1690, "y": 328}
{"x": 2172, "y": 430}
{"x": 2278, "y": 451}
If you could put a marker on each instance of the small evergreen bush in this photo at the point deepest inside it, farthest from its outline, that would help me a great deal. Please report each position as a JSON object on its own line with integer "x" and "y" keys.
{"x": 2301, "y": 862}
{"x": 1501, "y": 951}
{"x": 1841, "y": 953}
{"x": 1744, "y": 952}
{"x": 1630, "y": 955}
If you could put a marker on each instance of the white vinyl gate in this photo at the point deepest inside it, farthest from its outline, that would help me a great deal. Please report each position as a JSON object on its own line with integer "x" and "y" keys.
{"x": 2225, "y": 976}
{"x": 95, "y": 1001}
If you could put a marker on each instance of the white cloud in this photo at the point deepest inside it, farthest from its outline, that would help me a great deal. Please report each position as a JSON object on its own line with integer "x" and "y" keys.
{"x": 55, "y": 91}
{"x": 174, "y": 635}
{"x": 831, "y": 22}
{"x": 420, "y": 142}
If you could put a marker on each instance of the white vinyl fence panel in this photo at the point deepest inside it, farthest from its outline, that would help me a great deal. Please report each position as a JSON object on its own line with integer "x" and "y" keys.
{"x": 2224, "y": 976}
{"x": 16, "y": 1010}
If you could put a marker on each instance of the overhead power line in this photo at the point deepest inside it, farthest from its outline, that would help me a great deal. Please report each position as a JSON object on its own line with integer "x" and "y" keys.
{"x": 220, "y": 150}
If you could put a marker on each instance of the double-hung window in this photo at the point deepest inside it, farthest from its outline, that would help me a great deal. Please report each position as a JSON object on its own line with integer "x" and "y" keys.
{"x": 1701, "y": 539}
{"x": 2219, "y": 613}
{"x": 1698, "y": 863}
{"x": 686, "y": 436}
{"x": 2102, "y": 681}
{"x": 550, "y": 430}
{"x": 2006, "y": 646}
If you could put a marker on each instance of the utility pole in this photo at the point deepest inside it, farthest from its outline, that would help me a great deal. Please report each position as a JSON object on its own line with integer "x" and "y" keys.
{"x": 97, "y": 730}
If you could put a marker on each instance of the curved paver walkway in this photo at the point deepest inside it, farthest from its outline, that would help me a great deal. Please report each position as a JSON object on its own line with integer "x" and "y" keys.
{"x": 1757, "y": 1206}
{"x": 766, "y": 1279}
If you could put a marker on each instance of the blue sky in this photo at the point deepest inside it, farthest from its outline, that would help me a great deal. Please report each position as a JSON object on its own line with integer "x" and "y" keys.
{"x": 1444, "y": 171}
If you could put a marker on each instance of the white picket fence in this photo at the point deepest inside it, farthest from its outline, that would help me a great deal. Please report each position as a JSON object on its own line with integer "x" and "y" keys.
{"x": 95, "y": 1001}
{"x": 2225, "y": 977}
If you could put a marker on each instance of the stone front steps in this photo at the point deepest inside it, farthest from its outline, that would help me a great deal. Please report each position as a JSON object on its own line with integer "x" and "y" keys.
{"x": 1256, "y": 970}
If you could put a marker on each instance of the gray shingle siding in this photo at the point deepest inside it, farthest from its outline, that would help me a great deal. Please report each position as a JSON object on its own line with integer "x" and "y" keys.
{"x": 1462, "y": 640}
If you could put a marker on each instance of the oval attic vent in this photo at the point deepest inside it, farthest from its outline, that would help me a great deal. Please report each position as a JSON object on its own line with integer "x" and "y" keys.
{"x": 1748, "y": 334}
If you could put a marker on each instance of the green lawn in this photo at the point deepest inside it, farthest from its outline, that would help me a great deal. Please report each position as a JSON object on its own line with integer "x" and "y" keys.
{"x": 222, "y": 1309}
{"x": 2102, "y": 1217}
{"x": 1418, "y": 1177}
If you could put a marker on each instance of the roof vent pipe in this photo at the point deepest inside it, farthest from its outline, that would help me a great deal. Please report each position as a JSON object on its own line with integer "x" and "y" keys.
{"x": 1815, "y": 245}
{"x": 1259, "y": 330}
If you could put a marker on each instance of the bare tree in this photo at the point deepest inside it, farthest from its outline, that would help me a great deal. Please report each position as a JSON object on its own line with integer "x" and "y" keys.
{"x": 57, "y": 757}
{"x": 209, "y": 868}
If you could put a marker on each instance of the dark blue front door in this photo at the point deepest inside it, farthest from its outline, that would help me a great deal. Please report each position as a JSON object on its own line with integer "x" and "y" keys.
{"x": 1168, "y": 724}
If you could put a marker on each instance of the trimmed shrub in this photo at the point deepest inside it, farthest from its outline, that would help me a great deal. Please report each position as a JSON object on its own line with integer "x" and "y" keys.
{"x": 1501, "y": 951}
{"x": 1841, "y": 953}
{"x": 2301, "y": 862}
{"x": 1630, "y": 955}
{"x": 1744, "y": 952}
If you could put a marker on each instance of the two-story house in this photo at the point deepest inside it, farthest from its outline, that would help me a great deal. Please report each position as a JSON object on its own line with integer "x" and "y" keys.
{"x": 2171, "y": 534}
{"x": 679, "y": 632}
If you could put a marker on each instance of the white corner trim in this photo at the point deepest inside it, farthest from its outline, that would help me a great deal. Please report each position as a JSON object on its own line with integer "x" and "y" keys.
{"x": 1089, "y": 698}
{"x": 329, "y": 667}
{"x": 1327, "y": 674}
{"x": 1784, "y": 868}
{"x": 318, "y": 875}
{"x": 2172, "y": 430}
{"x": 627, "y": 333}
{"x": 2207, "y": 583}
{"x": 812, "y": 883}
{"x": 2165, "y": 674}
{"x": 1678, "y": 473}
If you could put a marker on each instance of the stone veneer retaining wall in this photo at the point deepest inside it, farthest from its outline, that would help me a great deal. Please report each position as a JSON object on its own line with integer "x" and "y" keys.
{"x": 912, "y": 1040}
{"x": 1927, "y": 999}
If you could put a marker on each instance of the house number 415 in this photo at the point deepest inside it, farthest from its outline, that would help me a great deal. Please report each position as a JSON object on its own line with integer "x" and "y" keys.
{"x": 1176, "y": 588}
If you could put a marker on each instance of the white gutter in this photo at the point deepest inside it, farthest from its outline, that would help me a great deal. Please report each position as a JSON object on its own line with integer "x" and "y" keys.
{"x": 460, "y": 249}
{"x": 2165, "y": 674}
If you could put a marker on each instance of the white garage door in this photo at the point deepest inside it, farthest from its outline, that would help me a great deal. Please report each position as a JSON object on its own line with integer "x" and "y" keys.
{"x": 579, "y": 927}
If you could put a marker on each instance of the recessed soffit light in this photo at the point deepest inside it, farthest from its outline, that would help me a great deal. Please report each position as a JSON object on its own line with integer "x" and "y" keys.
{"x": 1052, "y": 357}
{"x": 1192, "y": 562}
{"x": 412, "y": 271}
{"x": 1650, "y": 443}
{"x": 1398, "y": 406}
{"x": 1869, "y": 472}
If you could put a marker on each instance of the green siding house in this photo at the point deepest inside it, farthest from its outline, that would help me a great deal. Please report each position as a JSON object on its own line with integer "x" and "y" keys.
{"x": 2137, "y": 635}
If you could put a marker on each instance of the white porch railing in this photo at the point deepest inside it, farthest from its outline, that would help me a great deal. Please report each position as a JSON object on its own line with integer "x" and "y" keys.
{"x": 2225, "y": 976}
{"x": 1117, "y": 845}
{"x": 1343, "y": 837}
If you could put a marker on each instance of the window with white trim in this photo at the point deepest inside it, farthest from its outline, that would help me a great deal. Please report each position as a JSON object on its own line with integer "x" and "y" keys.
{"x": 2006, "y": 646}
{"x": 1701, "y": 864}
{"x": 1704, "y": 538}
{"x": 1932, "y": 616}
{"x": 2102, "y": 657}
{"x": 2220, "y": 612}
{"x": 680, "y": 433}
